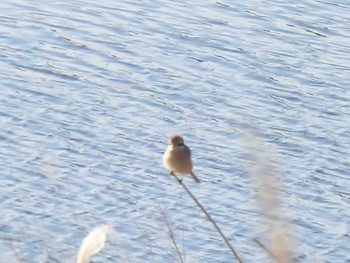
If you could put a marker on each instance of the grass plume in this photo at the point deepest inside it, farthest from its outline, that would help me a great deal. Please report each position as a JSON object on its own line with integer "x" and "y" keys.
{"x": 268, "y": 198}
{"x": 93, "y": 243}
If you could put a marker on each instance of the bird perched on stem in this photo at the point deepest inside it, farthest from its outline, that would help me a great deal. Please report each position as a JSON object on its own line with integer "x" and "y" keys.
{"x": 177, "y": 157}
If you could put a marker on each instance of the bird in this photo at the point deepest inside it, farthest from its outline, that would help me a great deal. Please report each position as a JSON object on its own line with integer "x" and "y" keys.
{"x": 177, "y": 157}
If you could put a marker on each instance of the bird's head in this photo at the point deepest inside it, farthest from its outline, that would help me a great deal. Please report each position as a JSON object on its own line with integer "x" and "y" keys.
{"x": 176, "y": 140}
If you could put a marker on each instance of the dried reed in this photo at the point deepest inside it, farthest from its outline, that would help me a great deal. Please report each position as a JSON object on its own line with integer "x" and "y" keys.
{"x": 208, "y": 217}
{"x": 171, "y": 234}
{"x": 268, "y": 199}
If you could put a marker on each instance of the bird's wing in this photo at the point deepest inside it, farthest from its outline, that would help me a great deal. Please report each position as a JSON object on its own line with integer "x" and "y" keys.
{"x": 188, "y": 151}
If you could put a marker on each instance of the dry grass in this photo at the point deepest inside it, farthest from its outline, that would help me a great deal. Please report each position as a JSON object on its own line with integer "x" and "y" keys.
{"x": 171, "y": 235}
{"x": 268, "y": 198}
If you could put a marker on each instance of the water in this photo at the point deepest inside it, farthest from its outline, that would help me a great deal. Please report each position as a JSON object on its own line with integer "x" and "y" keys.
{"x": 92, "y": 89}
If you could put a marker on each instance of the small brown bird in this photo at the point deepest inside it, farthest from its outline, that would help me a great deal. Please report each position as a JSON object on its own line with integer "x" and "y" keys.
{"x": 177, "y": 157}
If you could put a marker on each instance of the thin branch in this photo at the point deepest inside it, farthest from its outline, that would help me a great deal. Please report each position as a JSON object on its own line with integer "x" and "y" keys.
{"x": 171, "y": 233}
{"x": 208, "y": 216}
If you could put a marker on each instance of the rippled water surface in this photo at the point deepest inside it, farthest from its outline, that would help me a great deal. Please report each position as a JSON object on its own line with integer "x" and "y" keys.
{"x": 90, "y": 91}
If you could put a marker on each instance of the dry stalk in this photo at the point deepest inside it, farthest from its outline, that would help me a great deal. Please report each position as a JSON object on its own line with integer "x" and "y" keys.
{"x": 171, "y": 234}
{"x": 208, "y": 217}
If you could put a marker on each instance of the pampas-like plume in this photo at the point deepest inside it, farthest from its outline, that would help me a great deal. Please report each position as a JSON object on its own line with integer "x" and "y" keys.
{"x": 268, "y": 198}
{"x": 93, "y": 243}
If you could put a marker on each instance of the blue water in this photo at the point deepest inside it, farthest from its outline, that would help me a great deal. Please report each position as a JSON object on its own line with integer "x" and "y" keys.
{"x": 90, "y": 91}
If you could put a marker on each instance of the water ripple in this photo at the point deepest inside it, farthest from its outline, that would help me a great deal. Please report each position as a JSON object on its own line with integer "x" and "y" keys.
{"x": 90, "y": 92}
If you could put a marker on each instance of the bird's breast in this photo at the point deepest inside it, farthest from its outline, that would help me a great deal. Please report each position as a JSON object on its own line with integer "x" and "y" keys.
{"x": 178, "y": 160}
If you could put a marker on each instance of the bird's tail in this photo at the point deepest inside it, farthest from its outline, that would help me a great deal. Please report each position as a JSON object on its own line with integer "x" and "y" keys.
{"x": 195, "y": 178}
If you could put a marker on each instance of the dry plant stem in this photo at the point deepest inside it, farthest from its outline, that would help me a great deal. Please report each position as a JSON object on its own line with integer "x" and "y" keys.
{"x": 171, "y": 233}
{"x": 267, "y": 250}
{"x": 208, "y": 216}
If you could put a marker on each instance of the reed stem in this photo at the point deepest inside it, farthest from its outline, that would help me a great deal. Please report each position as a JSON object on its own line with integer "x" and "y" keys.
{"x": 208, "y": 216}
